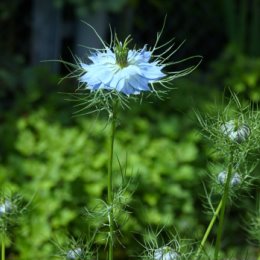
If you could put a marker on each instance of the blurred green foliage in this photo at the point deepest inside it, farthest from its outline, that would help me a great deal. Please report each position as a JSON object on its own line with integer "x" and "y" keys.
{"x": 239, "y": 72}
{"x": 60, "y": 162}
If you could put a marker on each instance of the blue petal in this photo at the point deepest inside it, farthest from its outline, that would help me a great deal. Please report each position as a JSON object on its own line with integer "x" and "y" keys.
{"x": 151, "y": 71}
{"x": 105, "y": 57}
{"x": 115, "y": 80}
{"x": 146, "y": 55}
{"x": 128, "y": 90}
{"x": 121, "y": 84}
{"x": 104, "y": 75}
{"x": 94, "y": 87}
{"x": 139, "y": 82}
{"x": 135, "y": 57}
{"x": 86, "y": 78}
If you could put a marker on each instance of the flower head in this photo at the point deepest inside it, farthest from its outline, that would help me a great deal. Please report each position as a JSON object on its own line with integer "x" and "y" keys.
{"x": 236, "y": 132}
{"x": 117, "y": 72}
{"x": 165, "y": 253}
{"x": 74, "y": 254}
{"x": 120, "y": 69}
{"x": 235, "y": 179}
{"x": 6, "y": 207}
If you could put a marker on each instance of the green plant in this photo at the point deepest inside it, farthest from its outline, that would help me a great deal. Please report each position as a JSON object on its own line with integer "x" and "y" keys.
{"x": 238, "y": 72}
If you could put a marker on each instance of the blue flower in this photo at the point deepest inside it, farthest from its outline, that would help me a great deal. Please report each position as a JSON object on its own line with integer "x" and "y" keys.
{"x": 125, "y": 71}
{"x": 114, "y": 74}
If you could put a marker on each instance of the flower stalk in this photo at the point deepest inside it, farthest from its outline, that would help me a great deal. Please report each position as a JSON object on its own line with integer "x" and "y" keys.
{"x": 113, "y": 118}
{"x": 210, "y": 226}
{"x": 112, "y": 76}
{"x": 3, "y": 250}
{"x": 223, "y": 207}
{"x": 219, "y": 211}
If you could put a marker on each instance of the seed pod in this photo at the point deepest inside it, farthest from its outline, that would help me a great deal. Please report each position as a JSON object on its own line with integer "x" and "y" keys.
{"x": 235, "y": 179}
{"x": 165, "y": 253}
{"x": 235, "y": 132}
{"x": 74, "y": 254}
{"x": 6, "y": 207}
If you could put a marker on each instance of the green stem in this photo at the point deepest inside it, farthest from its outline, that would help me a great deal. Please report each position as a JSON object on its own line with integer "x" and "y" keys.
{"x": 222, "y": 213}
{"x": 205, "y": 237}
{"x": 3, "y": 249}
{"x": 110, "y": 181}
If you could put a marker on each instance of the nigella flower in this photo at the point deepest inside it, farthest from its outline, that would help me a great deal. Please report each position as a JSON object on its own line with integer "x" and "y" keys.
{"x": 120, "y": 69}
{"x": 117, "y": 72}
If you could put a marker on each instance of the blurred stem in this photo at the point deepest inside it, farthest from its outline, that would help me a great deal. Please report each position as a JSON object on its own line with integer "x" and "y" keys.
{"x": 205, "y": 237}
{"x": 113, "y": 118}
{"x": 3, "y": 249}
{"x": 223, "y": 207}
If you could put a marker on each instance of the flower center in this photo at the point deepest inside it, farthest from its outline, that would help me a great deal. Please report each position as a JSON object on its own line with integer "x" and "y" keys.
{"x": 121, "y": 52}
{"x": 121, "y": 56}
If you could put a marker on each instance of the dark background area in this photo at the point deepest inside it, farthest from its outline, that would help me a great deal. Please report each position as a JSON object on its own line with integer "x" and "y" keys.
{"x": 57, "y": 24}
